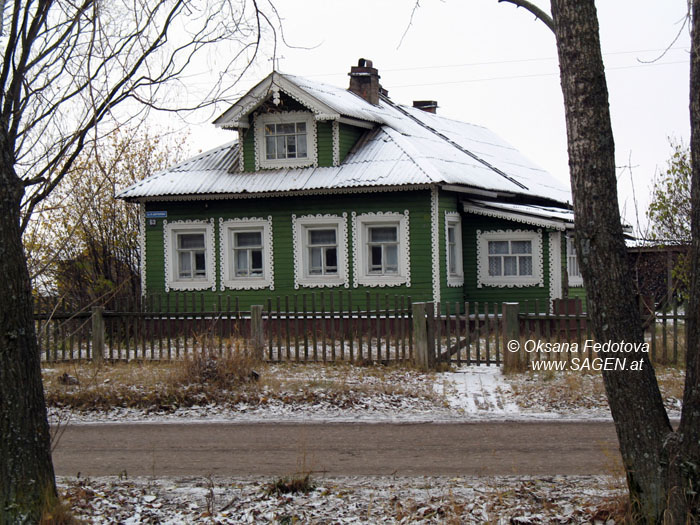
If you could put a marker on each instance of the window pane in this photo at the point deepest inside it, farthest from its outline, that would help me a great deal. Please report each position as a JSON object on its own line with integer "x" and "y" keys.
{"x": 241, "y": 262}
{"x": 452, "y": 258}
{"x": 257, "y": 263}
{"x": 451, "y": 234}
{"x": 281, "y": 149}
{"x": 184, "y": 265}
{"x": 382, "y": 234}
{"x": 269, "y": 129}
{"x": 494, "y": 266}
{"x": 291, "y": 147}
{"x": 285, "y": 128}
{"x": 375, "y": 258}
{"x": 521, "y": 246}
{"x": 301, "y": 127}
{"x": 322, "y": 236}
{"x": 510, "y": 266}
{"x": 525, "y": 265}
{"x": 331, "y": 260}
{"x": 301, "y": 146}
{"x": 270, "y": 150}
{"x": 316, "y": 266}
{"x": 391, "y": 265}
{"x": 190, "y": 241}
{"x": 199, "y": 263}
{"x": 248, "y": 239}
{"x": 498, "y": 247}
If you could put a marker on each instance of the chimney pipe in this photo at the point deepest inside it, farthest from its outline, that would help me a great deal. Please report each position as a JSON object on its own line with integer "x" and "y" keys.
{"x": 364, "y": 81}
{"x": 429, "y": 106}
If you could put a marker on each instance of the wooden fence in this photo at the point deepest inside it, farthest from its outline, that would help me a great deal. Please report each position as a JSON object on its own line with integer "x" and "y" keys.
{"x": 320, "y": 327}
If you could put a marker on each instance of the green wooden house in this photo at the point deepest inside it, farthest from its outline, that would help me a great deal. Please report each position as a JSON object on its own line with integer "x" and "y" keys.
{"x": 330, "y": 189}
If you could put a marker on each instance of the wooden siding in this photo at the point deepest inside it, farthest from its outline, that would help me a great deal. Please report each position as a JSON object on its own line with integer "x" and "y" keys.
{"x": 249, "y": 150}
{"x": 349, "y": 135}
{"x": 281, "y": 209}
{"x": 324, "y": 132}
{"x": 470, "y": 224}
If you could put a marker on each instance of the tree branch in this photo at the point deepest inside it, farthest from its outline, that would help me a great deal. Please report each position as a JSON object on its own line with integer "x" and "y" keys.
{"x": 539, "y": 13}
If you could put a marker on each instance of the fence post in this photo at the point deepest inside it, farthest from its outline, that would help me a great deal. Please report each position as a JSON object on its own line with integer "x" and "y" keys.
{"x": 420, "y": 336}
{"x": 98, "y": 334}
{"x": 513, "y": 357}
{"x": 257, "y": 339}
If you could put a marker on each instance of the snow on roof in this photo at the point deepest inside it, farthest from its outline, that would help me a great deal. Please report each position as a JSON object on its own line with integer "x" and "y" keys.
{"x": 407, "y": 147}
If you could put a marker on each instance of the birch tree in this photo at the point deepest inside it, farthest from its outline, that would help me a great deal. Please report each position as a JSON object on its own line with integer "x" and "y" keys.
{"x": 67, "y": 69}
{"x": 662, "y": 466}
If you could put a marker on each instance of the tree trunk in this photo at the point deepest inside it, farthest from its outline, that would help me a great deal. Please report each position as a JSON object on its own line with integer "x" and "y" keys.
{"x": 27, "y": 482}
{"x": 634, "y": 398}
{"x": 684, "y": 450}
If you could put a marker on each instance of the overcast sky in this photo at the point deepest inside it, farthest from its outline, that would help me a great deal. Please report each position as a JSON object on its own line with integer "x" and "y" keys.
{"x": 494, "y": 65}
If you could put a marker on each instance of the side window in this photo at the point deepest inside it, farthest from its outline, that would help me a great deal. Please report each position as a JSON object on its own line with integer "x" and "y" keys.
{"x": 453, "y": 249}
{"x": 572, "y": 267}
{"x": 510, "y": 258}
{"x": 246, "y": 248}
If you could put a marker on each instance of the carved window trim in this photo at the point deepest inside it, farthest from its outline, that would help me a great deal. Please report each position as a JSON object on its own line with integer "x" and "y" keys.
{"x": 300, "y": 227}
{"x": 170, "y": 231}
{"x": 232, "y": 282}
{"x": 261, "y": 162}
{"x": 454, "y": 219}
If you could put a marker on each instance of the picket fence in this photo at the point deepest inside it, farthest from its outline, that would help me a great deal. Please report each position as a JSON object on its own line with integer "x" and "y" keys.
{"x": 319, "y": 327}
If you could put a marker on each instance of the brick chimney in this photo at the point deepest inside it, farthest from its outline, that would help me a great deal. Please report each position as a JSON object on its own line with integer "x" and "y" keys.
{"x": 429, "y": 106}
{"x": 364, "y": 81}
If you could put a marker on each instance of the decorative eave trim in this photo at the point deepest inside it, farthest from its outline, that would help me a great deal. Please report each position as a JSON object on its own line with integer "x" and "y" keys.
{"x": 435, "y": 242}
{"x": 512, "y": 216}
{"x": 142, "y": 246}
{"x": 336, "y": 143}
{"x": 268, "y": 279}
{"x": 342, "y": 279}
{"x": 236, "y": 115}
{"x": 482, "y": 276}
{"x": 456, "y": 281}
{"x": 292, "y": 193}
{"x": 358, "y": 276}
{"x": 210, "y": 240}
{"x": 241, "y": 156}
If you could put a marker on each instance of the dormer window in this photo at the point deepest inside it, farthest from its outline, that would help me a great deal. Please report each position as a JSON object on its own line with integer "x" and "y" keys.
{"x": 285, "y": 140}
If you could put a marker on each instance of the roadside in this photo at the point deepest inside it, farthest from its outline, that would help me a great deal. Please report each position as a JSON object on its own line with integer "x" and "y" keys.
{"x": 318, "y": 392}
{"x": 468, "y": 500}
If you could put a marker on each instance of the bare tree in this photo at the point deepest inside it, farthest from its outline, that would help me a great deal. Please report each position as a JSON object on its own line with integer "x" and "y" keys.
{"x": 662, "y": 466}
{"x": 66, "y": 69}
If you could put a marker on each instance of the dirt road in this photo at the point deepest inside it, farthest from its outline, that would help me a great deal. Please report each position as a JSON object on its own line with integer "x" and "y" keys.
{"x": 337, "y": 449}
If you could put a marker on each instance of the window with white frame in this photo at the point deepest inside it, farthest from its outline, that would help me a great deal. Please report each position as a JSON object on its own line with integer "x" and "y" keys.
{"x": 381, "y": 256}
{"x": 189, "y": 255}
{"x": 510, "y": 258}
{"x": 572, "y": 267}
{"x": 285, "y": 140}
{"x": 246, "y": 246}
{"x": 453, "y": 249}
{"x": 320, "y": 250}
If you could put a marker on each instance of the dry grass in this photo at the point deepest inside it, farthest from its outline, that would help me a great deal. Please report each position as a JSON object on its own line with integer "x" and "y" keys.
{"x": 568, "y": 390}
{"x": 207, "y": 378}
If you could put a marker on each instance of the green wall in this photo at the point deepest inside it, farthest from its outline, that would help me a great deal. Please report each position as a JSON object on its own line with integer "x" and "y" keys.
{"x": 281, "y": 209}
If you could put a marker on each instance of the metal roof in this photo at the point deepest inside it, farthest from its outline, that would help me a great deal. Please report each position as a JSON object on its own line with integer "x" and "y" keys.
{"x": 407, "y": 147}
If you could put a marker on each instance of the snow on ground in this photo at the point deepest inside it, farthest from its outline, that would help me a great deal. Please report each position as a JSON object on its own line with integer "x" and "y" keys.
{"x": 477, "y": 391}
{"x": 498, "y": 500}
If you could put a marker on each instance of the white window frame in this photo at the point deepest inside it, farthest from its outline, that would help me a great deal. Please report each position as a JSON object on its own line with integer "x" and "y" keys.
{"x": 574, "y": 280}
{"x": 300, "y": 232}
{"x": 170, "y": 232}
{"x": 228, "y": 278}
{"x": 261, "y": 160}
{"x": 454, "y": 220}
{"x": 361, "y": 225}
{"x": 482, "y": 247}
